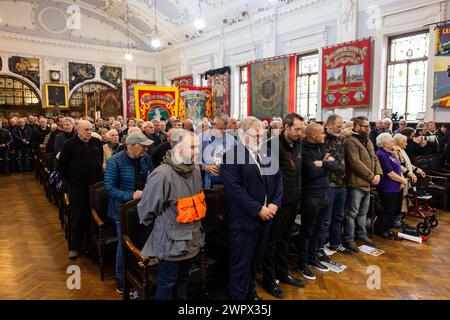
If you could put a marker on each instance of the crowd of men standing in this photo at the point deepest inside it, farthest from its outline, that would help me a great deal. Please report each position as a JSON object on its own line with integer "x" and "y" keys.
{"x": 325, "y": 173}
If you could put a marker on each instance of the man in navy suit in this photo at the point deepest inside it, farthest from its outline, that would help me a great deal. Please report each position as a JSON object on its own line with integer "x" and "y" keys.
{"x": 253, "y": 193}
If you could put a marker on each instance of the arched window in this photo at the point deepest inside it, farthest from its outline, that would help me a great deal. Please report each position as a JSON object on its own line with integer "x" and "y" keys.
{"x": 15, "y": 92}
{"x": 78, "y": 98}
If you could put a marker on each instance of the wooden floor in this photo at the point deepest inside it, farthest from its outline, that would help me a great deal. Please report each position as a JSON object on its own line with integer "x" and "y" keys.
{"x": 33, "y": 259}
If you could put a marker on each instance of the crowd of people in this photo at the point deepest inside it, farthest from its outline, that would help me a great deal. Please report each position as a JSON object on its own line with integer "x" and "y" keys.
{"x": 269, "y": 173}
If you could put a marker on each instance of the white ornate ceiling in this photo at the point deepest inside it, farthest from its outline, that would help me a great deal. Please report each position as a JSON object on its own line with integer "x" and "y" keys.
{"x": 103, "y": 22}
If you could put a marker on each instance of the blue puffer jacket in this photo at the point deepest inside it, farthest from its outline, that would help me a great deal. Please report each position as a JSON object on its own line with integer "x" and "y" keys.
{"x": 120, "y": 180}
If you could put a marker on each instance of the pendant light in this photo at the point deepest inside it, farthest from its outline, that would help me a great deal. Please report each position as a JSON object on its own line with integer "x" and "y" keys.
{"x": 199, "y": 22}
{"x": 156, "y": 43}
{"x": 128, "y": 56}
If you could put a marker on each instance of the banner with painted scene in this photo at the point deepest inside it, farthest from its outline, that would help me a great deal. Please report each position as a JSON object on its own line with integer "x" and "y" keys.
{"x": 346, "y": 74}
{"x": 441, "y": 89}
{"x": 219, "y": 81}
{"x": 153, "y": 102}
{"x": 26, "y": 67}
{"x": 183, "y": 81}
{"x": 195, "y": 103}
{"x": 130, "y": 84}
{"x": 271, "y": 87}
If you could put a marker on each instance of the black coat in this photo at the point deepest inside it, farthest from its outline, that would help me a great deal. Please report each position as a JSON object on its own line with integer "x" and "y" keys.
{"x": 315, "y": 180}
{"x": 5, "y": 137}
{"x": 290, "y": 166}
{"x": 80, "y": 163}
{"x": 159, "y": 152}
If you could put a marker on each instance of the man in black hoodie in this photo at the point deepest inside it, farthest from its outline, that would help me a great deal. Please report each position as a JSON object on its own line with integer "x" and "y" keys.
{"x": 275, "y": 260}
{"x": 316, "y": 166}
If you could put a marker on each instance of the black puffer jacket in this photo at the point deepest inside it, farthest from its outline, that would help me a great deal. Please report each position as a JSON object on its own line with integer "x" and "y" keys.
{"x": 290, "y": 166}
{"x": 315, "y": 179}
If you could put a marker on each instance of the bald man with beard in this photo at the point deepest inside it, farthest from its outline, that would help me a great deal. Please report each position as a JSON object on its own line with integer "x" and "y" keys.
{"x": 80, "y": 165}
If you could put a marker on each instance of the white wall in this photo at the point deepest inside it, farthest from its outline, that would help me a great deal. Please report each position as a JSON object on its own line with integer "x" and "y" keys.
{"x": 306, "y": 25}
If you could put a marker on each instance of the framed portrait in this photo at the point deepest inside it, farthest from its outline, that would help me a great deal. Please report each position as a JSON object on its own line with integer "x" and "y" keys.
{"x": 56, "y": 95}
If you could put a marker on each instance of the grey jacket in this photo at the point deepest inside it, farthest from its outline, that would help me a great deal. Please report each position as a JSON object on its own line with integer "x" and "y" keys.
{"x": 170, "y": 240}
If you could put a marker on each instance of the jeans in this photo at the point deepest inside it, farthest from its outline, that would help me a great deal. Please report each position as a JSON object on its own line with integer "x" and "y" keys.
{"x": 23, "y": 159}
{"x": 313, "y": 211}
{"x": 119, "y": 261}
{"x": 357, "y": 206}
{"x": 4, "y": 154}
{"x": 333, "y": 218}
{"x": 173, "y": 275}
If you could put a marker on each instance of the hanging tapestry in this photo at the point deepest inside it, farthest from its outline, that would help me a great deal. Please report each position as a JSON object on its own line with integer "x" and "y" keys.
{"x": 26, "y": 67}
{"x": 219, "y": 81}
{"x": 130, "y": 83}
{"x": 112, "y": 75}
{"x": 271, "y": 87}
{"x": 195, "y": 103}
{"x": 346, "y": 74}
{"x": 80, "y": 72}
{"x": 110, "y": 103}
{"x": 183, "y": 81}
{"x": 154, "y": 102}
{"x": 441, "y": 92}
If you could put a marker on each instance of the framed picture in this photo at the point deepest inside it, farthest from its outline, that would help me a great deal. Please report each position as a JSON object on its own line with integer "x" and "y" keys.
{"x": 56, "y": 95}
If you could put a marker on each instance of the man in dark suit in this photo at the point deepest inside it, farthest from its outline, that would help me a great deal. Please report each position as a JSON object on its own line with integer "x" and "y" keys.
{"x": 253, "y": 193}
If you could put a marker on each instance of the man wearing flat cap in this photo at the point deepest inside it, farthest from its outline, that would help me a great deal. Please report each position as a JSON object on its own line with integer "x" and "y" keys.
{"x": 125, "y": 176}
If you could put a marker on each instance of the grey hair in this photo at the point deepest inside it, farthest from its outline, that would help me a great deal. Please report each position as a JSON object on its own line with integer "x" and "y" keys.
{"x": 223, "y": 117}
{"x": 383, "y": 138}
{"x": 71, "y": 120}
{"x": 399, "y": 137}
{"x": 178, "y": 135}
{"x": 147, "y": 123}
{"x": 249, "y": 123}
{"x": 387, "y": 120}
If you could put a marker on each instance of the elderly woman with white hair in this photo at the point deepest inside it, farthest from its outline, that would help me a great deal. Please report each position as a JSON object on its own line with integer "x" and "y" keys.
{"x": 110, "y": 148}
{"x": 390, "y": 186}
{"x": 408, "y": 170}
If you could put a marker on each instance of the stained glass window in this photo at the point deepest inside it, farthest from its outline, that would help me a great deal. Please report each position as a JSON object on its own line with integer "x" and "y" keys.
{"x": 407, "y": 74}
{"x": 243, "y": 91}
{"x": 307, "y": 84}
{"x": 15, "y": 92}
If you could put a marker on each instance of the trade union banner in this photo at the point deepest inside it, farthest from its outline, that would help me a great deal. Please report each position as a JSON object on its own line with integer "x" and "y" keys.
{"x": 346, "y": 74}
{"x": 153, "y": 102}
{"x": 441, "y": 90}
{"x": 195, "y": 103}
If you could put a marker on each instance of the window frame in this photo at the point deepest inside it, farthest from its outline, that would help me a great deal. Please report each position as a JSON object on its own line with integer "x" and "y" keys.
{"x": 241, "y": 82}
{"x": 298, "y": 75}
{"x": 405, "y": 61}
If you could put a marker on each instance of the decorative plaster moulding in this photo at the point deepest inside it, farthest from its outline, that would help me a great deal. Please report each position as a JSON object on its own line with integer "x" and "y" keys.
{"x": 70, "y": 44}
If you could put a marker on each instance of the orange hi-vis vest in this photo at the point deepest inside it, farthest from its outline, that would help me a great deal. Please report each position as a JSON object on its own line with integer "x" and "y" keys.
{"x": 191, "y": 209}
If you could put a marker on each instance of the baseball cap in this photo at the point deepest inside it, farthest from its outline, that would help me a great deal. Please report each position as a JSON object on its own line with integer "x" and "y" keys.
{"x": 138, "y": 138}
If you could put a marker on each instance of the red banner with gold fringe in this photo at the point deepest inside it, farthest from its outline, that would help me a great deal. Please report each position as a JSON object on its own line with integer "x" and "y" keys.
{"x": 346, "y": 74}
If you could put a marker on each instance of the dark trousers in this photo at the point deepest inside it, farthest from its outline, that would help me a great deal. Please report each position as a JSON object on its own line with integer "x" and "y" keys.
{"x": 173, "y": 275}
{"x": 79, "y": 216}
{"x": 23, "y": 159}
{"x": 334, "y": 217}
{"x": 391, "y": 203}
{"x": 4, "y": 154}
{"x": 313, "y": 211}
{"x": 275, "y": 259}
{"x": 246, "y": 250}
